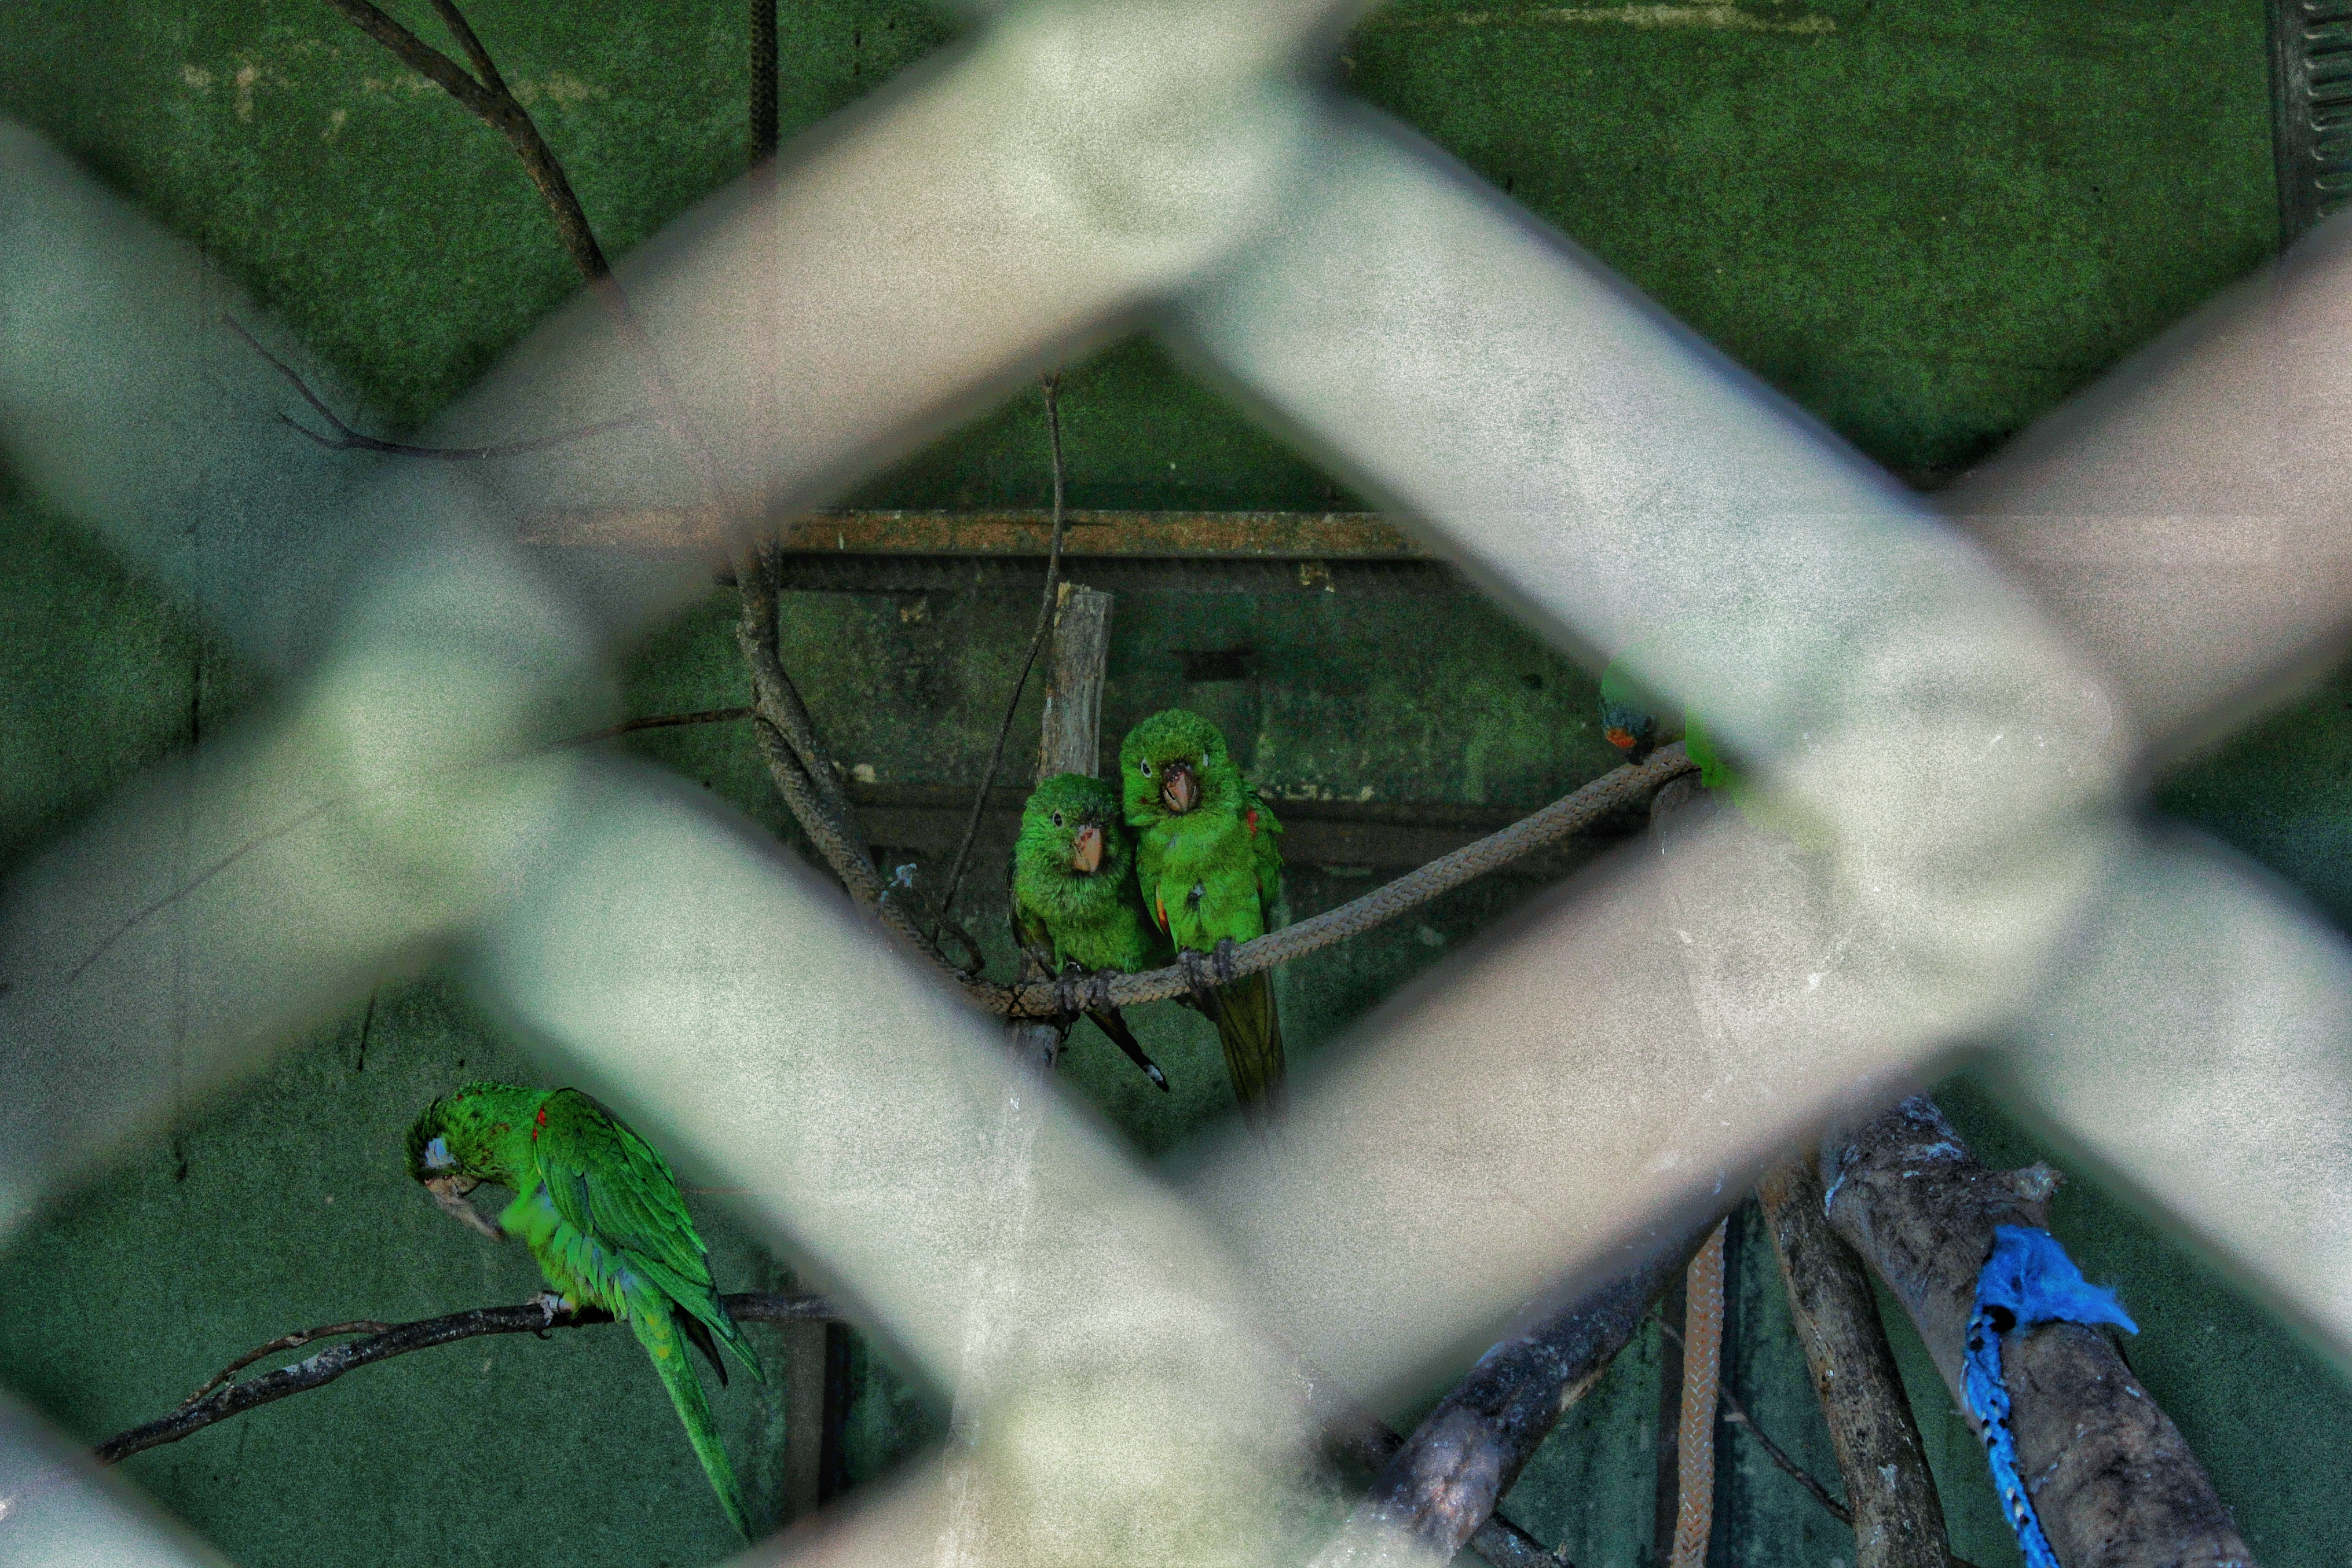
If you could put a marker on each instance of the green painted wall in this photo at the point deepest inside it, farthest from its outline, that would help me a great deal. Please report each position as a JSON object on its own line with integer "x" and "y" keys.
{"x": 1925, "y": 222}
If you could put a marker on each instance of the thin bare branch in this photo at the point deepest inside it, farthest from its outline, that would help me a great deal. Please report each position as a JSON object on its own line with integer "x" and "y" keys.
{"x": 1736, "y": 1413}
{"x": 220, "y": 1399}
{"x": 1053, "y": 390}
{"x": 490, "y": 101}
{"x": 346, "y": 439}
{"x": 661, "y": 722}
{"x": 479, "y": 58}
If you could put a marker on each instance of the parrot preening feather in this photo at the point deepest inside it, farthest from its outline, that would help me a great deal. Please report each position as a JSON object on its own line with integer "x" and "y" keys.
{"x": 1209, "y": 870}
{"x": 600, "y": 1210}
{"x": 1075, "y": 901}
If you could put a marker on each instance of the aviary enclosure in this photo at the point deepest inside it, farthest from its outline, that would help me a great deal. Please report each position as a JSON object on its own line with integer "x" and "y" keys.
{"x": 512, "y": 578}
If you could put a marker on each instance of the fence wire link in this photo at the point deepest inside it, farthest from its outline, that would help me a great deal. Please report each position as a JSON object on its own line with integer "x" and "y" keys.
{"x": 1603, "y": 1063}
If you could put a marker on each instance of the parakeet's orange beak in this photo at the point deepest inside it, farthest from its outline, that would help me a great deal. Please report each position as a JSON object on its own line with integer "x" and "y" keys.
{"x": 1086, "y": 850}
{"x": 1178, "y": 790}
{"x": 450, "y": 1192}
{"x": 1620, "y": 739}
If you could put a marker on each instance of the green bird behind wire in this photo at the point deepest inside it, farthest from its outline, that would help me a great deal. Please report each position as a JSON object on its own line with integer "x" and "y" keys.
{"x": 1075, "y": 901}
{"x": 1210, "y": 870}
{"x": 1637, "y": 722}
{"x": 598, "y": 1208}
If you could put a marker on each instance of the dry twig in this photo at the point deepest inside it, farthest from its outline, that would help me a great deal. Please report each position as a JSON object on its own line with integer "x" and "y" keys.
{"x": 219, "y": 1399}
{"x": 346, "y": 439}
{"x": 1053, "y": 389}
{"x": 485, "y": 96}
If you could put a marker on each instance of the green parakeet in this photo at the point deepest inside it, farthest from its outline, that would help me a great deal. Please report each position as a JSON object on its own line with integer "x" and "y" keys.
{"x": 1075, "y": 901}
{"x": 1636, "y": 722}
{"x": 1207, "y": 862}
{"x": 600, "y": 1211}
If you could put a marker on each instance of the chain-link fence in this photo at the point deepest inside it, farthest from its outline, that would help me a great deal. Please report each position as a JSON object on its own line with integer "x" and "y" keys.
{"x": 1958, "y": 720}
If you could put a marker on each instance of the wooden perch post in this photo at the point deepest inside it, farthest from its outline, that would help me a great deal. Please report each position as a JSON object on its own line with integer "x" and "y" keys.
{"x": 1072, "y": 742}
{"x": 1073, "y": 683}
{"x": 1898, "y": 1522}
{"x": 2112, "y": 1481}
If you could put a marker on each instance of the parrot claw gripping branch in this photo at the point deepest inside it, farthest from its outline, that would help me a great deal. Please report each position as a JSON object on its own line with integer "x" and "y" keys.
{"x": 1161, "y": 887}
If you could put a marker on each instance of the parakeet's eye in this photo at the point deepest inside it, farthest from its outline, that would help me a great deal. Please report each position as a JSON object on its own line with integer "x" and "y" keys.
{"x": 1146, "y": 766}
{"x": 1057, "y": 819}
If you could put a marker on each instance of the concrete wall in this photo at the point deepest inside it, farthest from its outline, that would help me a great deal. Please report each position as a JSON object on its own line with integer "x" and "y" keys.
{"x": 1926, "y": 224}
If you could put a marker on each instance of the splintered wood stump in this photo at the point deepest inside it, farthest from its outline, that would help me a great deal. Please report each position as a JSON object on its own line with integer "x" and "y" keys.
{"x": 2110, "y": 1476}
{"x": 1898, "y": 1522}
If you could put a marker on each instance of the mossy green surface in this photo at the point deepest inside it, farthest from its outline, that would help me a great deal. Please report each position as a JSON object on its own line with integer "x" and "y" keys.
{"x": 1926, "y": 224}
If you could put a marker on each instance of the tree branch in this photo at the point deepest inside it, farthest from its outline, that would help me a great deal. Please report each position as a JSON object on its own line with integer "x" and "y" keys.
{"x": 1444, "y": 1481}
{"x": 219, "y": 1399}
{"x": 1897, "y": 1518}
{"x": 346, "y": 439}
{"x": 489, "y": 101}
{"x": 2114, "y": 1483}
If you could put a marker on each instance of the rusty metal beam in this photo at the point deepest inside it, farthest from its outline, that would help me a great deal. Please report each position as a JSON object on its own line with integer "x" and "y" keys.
{"x": 1254, "y": 535}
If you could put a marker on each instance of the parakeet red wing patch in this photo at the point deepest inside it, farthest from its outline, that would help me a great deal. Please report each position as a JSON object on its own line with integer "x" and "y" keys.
{"x": 1160, "y": 911}
{"x": 1251, "y": 817}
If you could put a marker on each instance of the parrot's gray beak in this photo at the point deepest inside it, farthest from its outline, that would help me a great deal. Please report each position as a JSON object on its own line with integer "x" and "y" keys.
{"x": 450, "y": 1192}
{"x": 1086, "y": 851}
{"x": 1178, "y": 790}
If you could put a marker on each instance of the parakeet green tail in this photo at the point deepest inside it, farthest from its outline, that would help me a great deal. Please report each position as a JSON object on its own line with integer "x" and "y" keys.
{"x": 600, "y": 1210}
{"x": 661, "y": 1334}
{"x": 1210, "y": 867}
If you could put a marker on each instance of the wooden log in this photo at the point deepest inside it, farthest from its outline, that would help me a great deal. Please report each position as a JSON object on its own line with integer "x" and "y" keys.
{"x": 1432, "y": 1497}
{"x": 1898, "y": 1521}
{"x": 1072, "y": 742}
{"x": 2111, "y": 1478}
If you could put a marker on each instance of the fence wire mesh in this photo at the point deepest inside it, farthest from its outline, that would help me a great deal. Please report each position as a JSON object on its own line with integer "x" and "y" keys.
{"x": 1957, "y": 712}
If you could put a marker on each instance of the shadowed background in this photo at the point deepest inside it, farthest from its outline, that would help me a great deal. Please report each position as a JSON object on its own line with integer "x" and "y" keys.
{"x": 1927, "y": 225}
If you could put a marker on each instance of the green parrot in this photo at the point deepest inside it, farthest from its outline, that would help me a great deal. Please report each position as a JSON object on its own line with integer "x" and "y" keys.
{"x": 1636, "y": 722}
{"x": 1206, "y": 860}
{"x": 600, "y": 1211}
{"x": 1074, "y": 902}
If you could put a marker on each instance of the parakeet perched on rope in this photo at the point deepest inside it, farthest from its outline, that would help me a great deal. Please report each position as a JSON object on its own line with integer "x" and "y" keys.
{"x": 1209, "y": 870}
{"x": 1074, "y": 900}
{"x": 1637, "y": 722}
{"x": 600, "y": 1211}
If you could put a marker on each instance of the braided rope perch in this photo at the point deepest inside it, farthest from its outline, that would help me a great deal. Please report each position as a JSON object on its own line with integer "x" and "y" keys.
{"x": 804, "y": 776}
{"x": 1613, "y": 792}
